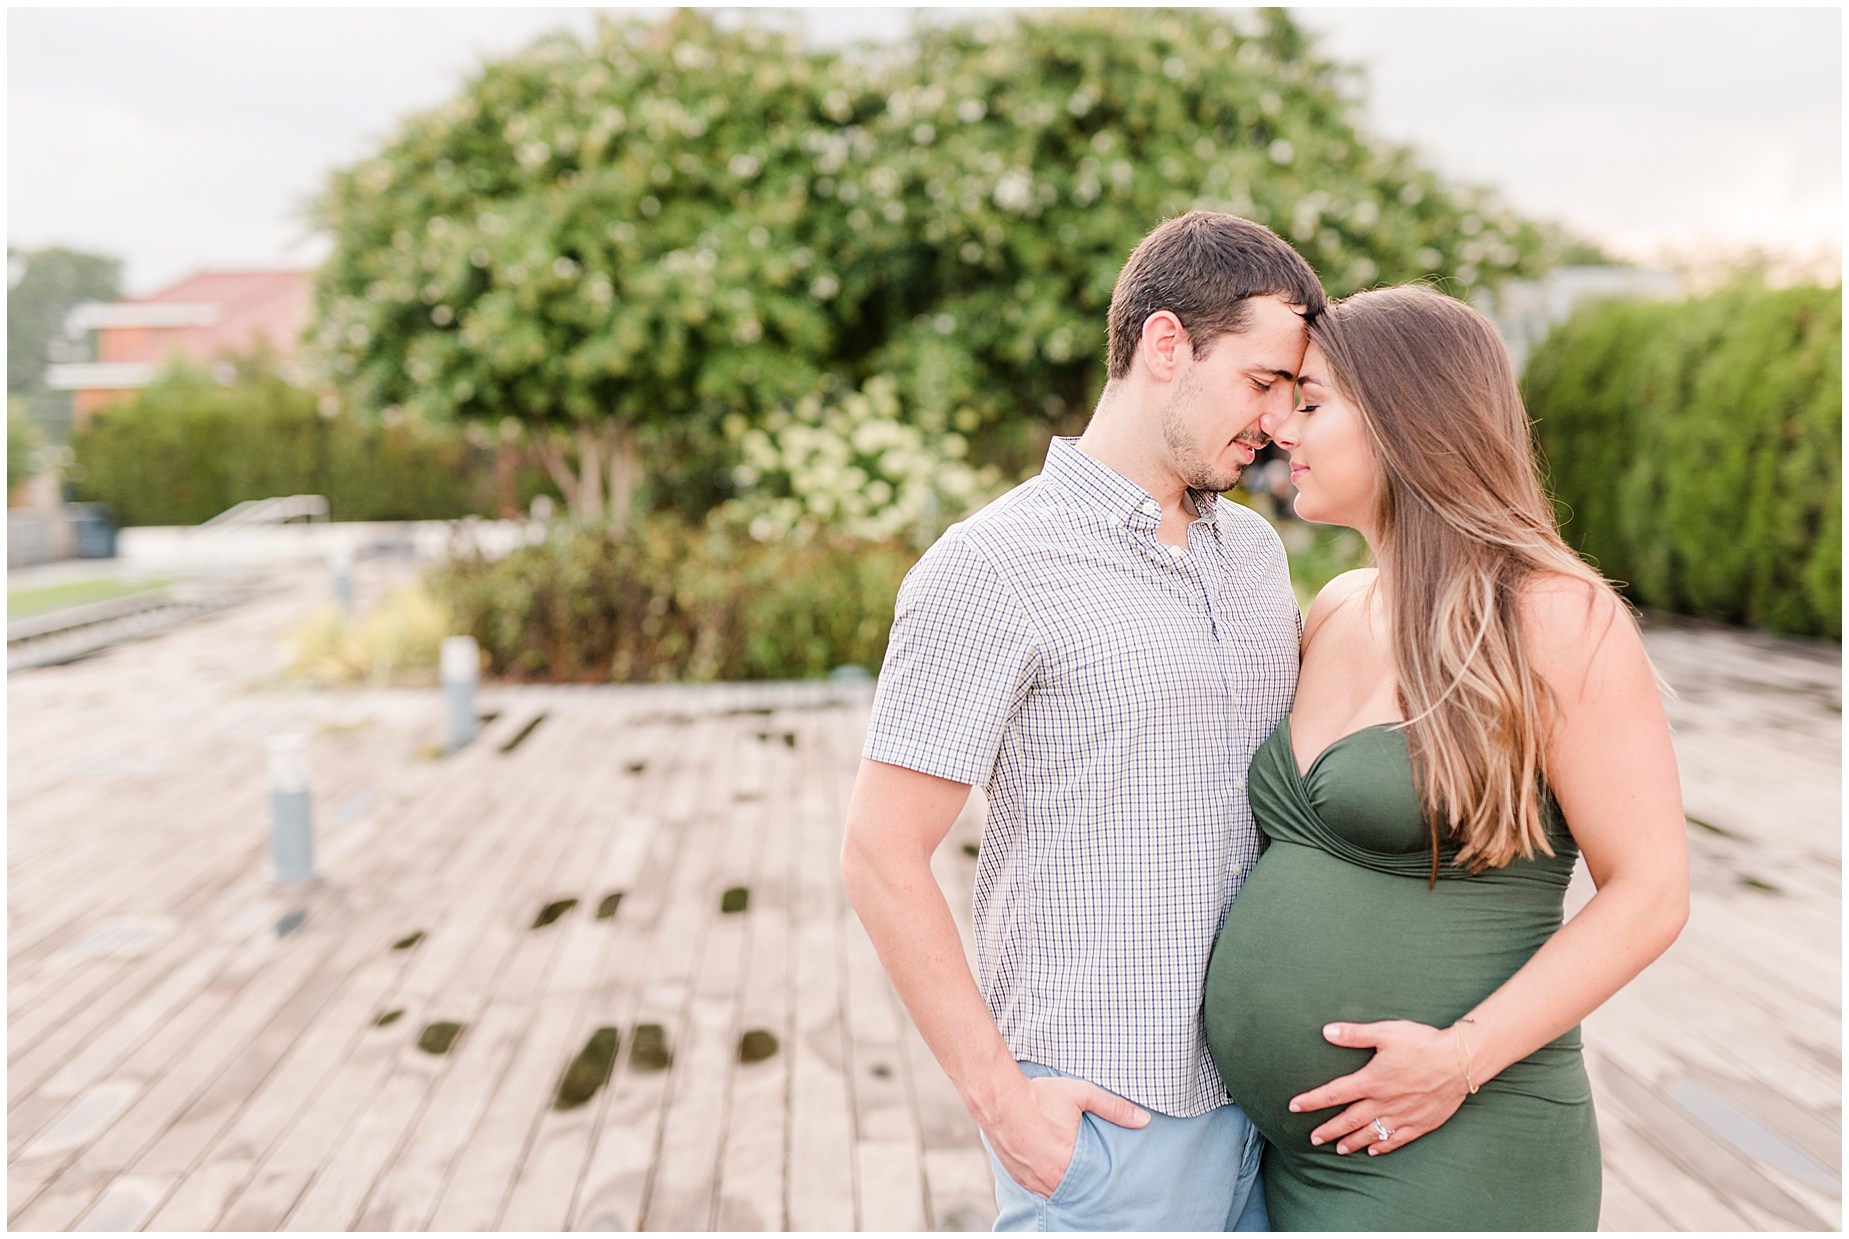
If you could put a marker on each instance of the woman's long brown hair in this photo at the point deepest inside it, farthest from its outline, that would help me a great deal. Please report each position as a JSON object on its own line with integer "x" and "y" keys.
{"x": 1461, "y": 527}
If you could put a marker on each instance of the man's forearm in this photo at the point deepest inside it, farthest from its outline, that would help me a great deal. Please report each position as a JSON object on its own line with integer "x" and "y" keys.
{"x": 896, "y": 819}
{"x": 909, "y": 921}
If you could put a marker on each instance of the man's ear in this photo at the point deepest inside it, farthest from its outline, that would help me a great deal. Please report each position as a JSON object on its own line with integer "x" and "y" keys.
{"x": 1164, "y": 345}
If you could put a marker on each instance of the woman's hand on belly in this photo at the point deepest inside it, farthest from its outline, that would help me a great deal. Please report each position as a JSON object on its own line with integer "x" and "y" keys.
{"x": 1412, "y": 1085}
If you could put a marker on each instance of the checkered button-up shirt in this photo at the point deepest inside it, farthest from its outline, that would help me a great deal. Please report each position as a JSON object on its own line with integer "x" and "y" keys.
{"x": 1108, "y": 691}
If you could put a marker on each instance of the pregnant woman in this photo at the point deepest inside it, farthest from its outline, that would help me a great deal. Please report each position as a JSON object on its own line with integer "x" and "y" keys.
{"x": 1393, "y": 999}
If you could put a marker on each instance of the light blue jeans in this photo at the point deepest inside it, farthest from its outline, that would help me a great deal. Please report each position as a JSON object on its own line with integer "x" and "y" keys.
{"x": 1175, "y": 1174}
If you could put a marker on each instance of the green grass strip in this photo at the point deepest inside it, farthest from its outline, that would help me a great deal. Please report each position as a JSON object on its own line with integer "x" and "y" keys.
{"x": 48, "y": 598}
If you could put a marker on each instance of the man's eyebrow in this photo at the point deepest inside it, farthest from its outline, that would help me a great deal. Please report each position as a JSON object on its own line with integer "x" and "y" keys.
{"x": 1283, "y": 374}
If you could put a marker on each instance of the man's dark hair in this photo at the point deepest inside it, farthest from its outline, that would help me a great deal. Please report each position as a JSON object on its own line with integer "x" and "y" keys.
{"x": 1201, "y": 268}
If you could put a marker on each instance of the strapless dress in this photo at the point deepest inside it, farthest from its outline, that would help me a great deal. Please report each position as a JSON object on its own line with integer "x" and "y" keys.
{"x": 1338, "y": 921}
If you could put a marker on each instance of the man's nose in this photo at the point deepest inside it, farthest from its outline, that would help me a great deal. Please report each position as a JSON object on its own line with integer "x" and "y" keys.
{"x": 1272, "y": 420}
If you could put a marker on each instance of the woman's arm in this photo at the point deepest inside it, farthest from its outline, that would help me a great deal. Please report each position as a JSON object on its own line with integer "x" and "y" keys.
{"x": 1613, "y": 771}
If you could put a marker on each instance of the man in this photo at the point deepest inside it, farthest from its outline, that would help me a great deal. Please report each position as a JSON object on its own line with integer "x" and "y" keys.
{"x": 1102, "y": 649}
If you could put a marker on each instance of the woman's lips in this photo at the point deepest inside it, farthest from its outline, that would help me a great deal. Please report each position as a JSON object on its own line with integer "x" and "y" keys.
{"x": 1297, "y": 471}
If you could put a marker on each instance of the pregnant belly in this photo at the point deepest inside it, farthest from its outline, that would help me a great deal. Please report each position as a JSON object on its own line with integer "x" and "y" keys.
{"x": 1312, "y": 939}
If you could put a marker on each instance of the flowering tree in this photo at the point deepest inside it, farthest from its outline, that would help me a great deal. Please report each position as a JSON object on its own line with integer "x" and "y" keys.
{"x": 601, "y": 241}
{"x": 616, "y": 245}
{"x": 1032, "y": 154}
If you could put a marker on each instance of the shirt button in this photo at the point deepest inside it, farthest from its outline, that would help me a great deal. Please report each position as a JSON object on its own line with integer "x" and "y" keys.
{"x": 1239, "y": 785}
{"x": 1152, "y": 507}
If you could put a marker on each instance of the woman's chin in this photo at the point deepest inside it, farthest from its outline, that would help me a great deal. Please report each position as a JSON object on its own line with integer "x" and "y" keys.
{"x": 1312, "y": 509}
{"x": 1309, "y": 512}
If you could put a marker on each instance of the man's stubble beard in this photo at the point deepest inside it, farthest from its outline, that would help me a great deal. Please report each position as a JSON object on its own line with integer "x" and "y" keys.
{"x": 1184, "y": 451}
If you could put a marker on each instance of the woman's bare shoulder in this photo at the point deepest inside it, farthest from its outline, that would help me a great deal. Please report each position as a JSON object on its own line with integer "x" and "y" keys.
{"x": 1561, "y": 605}
{"x": 1572, "y": 625}
{"x": 1334, "y": 596}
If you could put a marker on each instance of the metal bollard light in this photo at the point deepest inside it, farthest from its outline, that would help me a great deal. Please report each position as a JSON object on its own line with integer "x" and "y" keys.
{"x": 340, "y": 567}
{"x": 292, "y": 832}
{"x": 461, "y": 668}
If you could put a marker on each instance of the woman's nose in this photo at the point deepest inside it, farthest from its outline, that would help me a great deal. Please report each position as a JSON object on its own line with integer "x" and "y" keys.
{"x": 1278, "y": 426}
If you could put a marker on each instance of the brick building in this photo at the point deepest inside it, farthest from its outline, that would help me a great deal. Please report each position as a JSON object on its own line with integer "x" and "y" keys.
{"x": 201, "y": 318}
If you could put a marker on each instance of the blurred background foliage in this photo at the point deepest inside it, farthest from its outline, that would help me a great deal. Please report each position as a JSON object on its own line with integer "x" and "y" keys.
{"x": 854, "y": 462}
{"x": 799, "y": 311}
{"x": 22, "y": 441}
{"x": 396, "y": 641}
{"x": 768, "y": 319}
{"x": 188, "y": 446}
{"x": 670, "y": 600}
{"x": 624, "y": 242}
{"x": 43, "y": 286}
{"x": 1695, "y": 450}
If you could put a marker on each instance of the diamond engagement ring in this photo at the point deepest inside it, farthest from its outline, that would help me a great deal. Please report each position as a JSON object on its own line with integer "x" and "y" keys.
{"x": 1382, "y": 1130}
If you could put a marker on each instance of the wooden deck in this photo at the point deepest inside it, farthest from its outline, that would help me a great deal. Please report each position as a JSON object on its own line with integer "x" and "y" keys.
{"x": 191, "y": 1047}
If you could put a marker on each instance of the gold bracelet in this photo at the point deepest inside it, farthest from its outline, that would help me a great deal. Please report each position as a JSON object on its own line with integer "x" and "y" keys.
{"x": 1465, "y": 1061}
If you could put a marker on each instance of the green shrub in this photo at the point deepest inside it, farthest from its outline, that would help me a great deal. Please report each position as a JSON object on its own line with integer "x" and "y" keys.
{"x": 398, "y": 641}
{"x": 186, "y": 448}
{"x": 22, "y": 440}
{"x": 670, "y": 600}
{"x": 1695, "y": 451}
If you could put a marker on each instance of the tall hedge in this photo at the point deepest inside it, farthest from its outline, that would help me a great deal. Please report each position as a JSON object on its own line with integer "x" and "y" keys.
{"x": 1695, "y": 451}
{"x": 186, "y": 448}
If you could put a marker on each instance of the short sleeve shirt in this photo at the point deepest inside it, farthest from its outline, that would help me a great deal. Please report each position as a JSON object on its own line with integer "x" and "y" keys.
{"x": 1108, "y": 692}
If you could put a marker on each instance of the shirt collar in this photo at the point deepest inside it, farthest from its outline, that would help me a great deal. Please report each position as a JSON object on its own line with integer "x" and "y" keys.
{"x": 1111, "y": 492}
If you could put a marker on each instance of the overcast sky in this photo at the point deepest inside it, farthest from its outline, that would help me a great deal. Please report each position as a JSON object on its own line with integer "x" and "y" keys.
{"x": 186, "y": 138}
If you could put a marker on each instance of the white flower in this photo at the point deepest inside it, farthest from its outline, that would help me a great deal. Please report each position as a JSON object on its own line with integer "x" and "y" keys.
{"x": 1014, "y": 191}
{"x": 853, "y": 462}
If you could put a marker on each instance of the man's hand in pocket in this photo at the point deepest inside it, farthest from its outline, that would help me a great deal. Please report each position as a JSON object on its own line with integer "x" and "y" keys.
{"x": 1035, "y": 1133}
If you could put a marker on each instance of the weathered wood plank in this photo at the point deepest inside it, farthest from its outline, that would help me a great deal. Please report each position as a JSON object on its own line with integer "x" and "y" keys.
{"x": 542, "y": 1195}
{"x": 354, "y": 1085}
{"x": 888, "y": 1151}
{"x": 1622, "y": 1208}
{"x": 686, "y": 1186}
{"x": 617, "y": 1178}
{"x": 751, "y": 1164}
{"x": 612, "y": 1182}
{"x": 821, "y": 1182}
{"x": 960, "y": 1186}
{"x": 451, "y": 916}
{"x": 478, "y": 1187}
{"x": 171, "y": 1067}
{"x": 223, "y": 1078}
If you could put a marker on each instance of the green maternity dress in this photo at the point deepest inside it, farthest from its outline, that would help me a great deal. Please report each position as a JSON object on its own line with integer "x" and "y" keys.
{"x": 1336, "y": 922}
